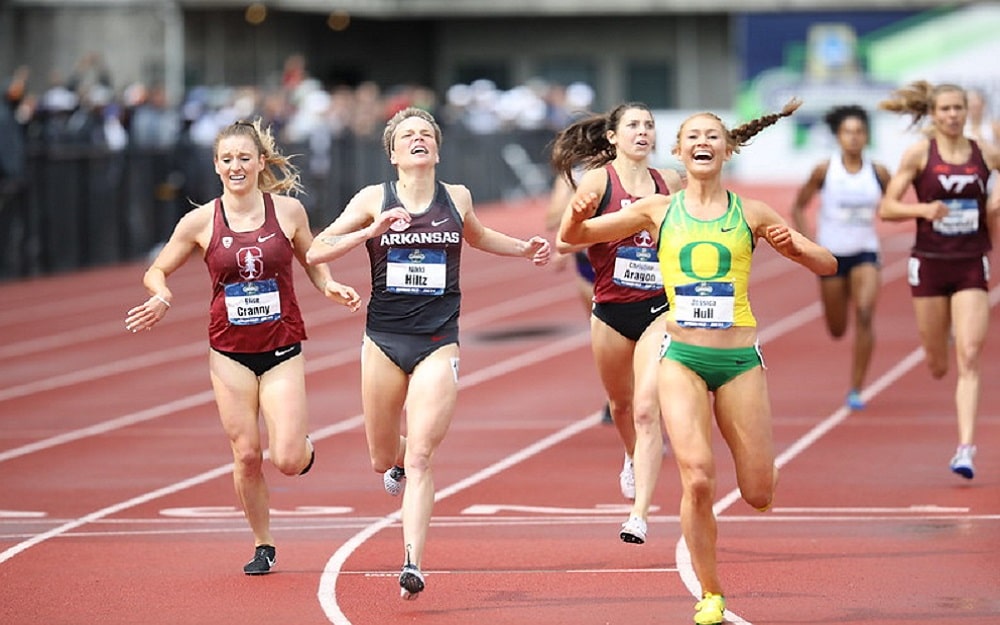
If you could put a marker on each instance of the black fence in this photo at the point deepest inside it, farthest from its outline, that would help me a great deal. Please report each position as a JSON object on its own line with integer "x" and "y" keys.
{"x": 82, "y": 207}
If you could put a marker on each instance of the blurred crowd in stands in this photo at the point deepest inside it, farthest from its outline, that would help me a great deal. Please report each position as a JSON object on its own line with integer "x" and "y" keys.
{"x": 130, "y": 154}
{"x": 86, "y": 107}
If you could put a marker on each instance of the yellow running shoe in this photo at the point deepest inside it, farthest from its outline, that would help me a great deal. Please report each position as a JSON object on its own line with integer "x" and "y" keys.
{"x": 710, "y": 609}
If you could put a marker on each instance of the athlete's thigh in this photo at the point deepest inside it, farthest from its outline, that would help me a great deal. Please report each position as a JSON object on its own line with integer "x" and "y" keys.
{"x": 430, "y": 403}
{"x": 865, "y": 280}
{"x": 835, "y": 294}
{"x": 743, "y": 412}
{"x": 687, "y": 414}
{"x": 933, "y": 317}
{"x": 283, "y": 403}
{"x": 645, "y": 365}
{"x": 613, "y": 355}
{"x": 970, "y": 313}
{"x": 236, "y": 395}
{"x": 383, "y": 393}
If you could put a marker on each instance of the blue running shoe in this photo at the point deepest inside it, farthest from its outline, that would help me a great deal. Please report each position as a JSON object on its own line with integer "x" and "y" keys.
{"x": 854, "y": 401}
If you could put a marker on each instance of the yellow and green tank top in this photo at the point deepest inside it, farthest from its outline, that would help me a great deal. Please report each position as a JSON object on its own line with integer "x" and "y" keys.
{"x": 706, "y": 266}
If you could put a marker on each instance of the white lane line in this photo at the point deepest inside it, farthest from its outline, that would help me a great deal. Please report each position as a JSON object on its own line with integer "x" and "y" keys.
{"x": 508, "y": 308}
{"x": 683, "y": 555}
{"x": 327, "y": 591}
{"x": 530, "y": 357}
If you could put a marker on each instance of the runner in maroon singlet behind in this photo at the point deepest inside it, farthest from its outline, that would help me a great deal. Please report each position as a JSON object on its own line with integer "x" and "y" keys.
{"x": 615, "y": 150}
{"x": 949, "y": 265}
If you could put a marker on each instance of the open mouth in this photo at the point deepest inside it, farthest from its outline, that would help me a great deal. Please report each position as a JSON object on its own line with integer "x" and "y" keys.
{"x": 702, "y": 156}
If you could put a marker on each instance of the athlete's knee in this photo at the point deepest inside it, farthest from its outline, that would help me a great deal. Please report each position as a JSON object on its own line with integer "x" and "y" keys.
{"x": 646, "y": 415}
{"x": 760, "y": 492}
{"x": 864, "y": 319}
{"x": 290, "y": 462}
{"x": 620, "y": 409}
{"x": 382, "y": 463}
{"x": 938, "y": 367}
{"x": 837, "y": 330}
{"x": 759, "y": 497}
{"x": 287, "y": 464}
{"x": 247, "y": 459}
{"x": 967, "y": 357}
{"x": 699, "y": 484}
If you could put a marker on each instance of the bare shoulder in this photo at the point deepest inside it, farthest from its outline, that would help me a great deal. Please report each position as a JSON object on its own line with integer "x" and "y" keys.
{"x": 758, "y": 213}
{"x": 916, "y": 153}
{"x": 460, "y": 195}
{"x": 456, "y": 190}
{"x": 991, "y": 154}
{"x": 368, "y": 199}
{"x": 593, "y": 179}
{"x": 819, "y": 171}
{"x": 196, "y": 220}
{"x": 287, "y": 206}
{"x": 291, "y": 214}
{"x": 673, "y": 178}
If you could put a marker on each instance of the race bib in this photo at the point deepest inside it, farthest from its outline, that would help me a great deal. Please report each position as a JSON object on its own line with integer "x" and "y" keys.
{"x": 705, "y": 305}
{"x": 850, "y": 214}
{"x": 637, "y": 268}
{"x": 962, "y": 218}
{"x": 416, "y": 271}
{"x": 250, "y": 303}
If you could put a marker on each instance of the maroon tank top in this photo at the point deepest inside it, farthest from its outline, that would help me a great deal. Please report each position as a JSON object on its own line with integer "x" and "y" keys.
{"x": 626, "y": 270}
{"x": 962, "y": 233}
{"x": 253, "y": 307}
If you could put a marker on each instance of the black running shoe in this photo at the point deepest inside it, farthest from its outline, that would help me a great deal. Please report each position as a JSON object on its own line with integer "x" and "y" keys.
{"x": 263, "y": 561}
{"x": 411, "y": 582}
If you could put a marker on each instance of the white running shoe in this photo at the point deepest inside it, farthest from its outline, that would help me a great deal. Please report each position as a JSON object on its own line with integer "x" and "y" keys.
{"x": 393, "y": 480}
{"x": 961, "y": 462}
{"x": 626, "y": 479}
{"x": 633, "y": 531}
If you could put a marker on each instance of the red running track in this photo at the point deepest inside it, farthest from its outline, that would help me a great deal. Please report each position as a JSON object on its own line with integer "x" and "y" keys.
{"x": 116, "y": 505}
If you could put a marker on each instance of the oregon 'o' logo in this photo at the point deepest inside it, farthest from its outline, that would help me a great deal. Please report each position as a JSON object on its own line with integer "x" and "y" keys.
{"x": 724, "y": 259}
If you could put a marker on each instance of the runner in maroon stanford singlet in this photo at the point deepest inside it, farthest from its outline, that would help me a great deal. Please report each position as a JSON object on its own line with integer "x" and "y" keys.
{"x": 248, "y": 238}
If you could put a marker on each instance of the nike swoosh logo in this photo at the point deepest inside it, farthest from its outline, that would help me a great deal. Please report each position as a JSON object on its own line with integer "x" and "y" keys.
{"x": 728, "y": 229}
{"x": 438, "y": 222}
{"x": 281, "y": 352}
{"x": 263, "y": 239}
{"x": 658, "y": 309}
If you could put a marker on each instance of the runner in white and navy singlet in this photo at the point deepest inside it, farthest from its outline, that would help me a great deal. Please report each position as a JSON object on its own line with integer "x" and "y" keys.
{"x": 850, "y": 187}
